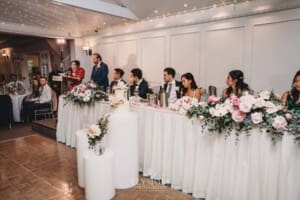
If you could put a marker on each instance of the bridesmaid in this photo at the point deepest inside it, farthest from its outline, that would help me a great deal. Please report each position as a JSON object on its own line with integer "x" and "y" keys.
{"x": 291, "y": 99}
{"x": 190, "y": 87}
{"x": 236, "y": 84}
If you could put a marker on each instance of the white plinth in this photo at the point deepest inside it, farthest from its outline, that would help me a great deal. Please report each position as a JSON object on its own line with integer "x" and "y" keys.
{"x": 82, "y": 148}
{"x": 99, "y": 176}
{"x": 123, "y": 141}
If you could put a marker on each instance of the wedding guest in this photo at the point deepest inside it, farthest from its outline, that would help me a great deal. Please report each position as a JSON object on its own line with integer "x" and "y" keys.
{"x": 291, "y": 99}
{"x": 77, "y": 74}
{"x": 170, "y": 85}
{"x": 138, "y": 83}
{"x": 190, "y": 87}
{"x": 41, "y": 102}
{"x": 16, "y": 85}
{"x": 117, "y": 76}
{"x": 100, "y": 71}
{"x": 236, "y": 84}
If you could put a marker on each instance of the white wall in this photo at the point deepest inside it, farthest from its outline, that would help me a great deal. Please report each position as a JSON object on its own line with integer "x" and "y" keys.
{"x": 266, "y": 47}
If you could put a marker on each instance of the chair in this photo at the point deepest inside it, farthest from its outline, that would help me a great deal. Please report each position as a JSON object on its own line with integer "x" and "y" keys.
{"x": 46, "y": 112}
{"x": 6, "y": 114}
{"x": 212, "y": 90}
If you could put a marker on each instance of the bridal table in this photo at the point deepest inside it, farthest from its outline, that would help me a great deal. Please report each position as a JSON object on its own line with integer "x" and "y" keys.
{"x": 211, "y": 165}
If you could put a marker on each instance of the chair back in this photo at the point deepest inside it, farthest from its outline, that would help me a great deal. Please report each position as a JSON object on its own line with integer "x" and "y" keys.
{"x": 212, "y": 90}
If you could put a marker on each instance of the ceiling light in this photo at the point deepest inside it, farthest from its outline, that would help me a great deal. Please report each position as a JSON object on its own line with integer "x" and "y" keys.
{"x": 185, "y": 5}
{"x": 155, "y": 11}
{"x": 60, "y": 41}
{"x": 104, "y": 23}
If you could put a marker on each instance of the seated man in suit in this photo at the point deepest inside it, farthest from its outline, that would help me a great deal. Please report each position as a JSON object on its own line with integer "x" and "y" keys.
{"x": 138, "y": 83}
{"x": 171, "y": 86}
{"x": 117, "y": 78}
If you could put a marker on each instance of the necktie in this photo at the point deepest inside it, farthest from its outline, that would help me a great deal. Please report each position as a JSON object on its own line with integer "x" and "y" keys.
{"x": 169, "y": 89}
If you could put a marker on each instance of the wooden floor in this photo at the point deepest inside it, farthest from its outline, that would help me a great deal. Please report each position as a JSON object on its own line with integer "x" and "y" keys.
{"x": 38, "y": 168}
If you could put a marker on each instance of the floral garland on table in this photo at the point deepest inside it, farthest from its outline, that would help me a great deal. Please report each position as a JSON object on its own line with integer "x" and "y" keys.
{"x": 183, "y": 104}
{"x": 96, "y": 132}
{"x": 242, "y": 113}
{"x": 120, "y": 95}
{"x": 85, "y": 94}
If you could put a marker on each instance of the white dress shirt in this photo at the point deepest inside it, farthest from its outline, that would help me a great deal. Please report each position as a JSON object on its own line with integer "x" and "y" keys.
{"x": 46, "y": 94}
{"x": 173, "y": 95}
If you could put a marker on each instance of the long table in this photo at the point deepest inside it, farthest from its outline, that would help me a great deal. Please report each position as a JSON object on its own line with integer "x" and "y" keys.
{"x": 183, "y": 153}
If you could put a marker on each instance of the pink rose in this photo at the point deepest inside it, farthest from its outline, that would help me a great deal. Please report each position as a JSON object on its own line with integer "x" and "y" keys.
{"x": 238, "y": 116}
{"x": 256, "y": 117}
{"x": 234, "y": 100}
{"x": 213, "y": 100}
{"x": 279, "y": 123}
{"x": 288, "y": 116}
{"x": 271, "y": 107}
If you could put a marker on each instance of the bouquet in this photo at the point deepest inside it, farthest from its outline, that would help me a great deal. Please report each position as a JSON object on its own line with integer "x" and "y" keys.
{"x": 96, "y": 132}
{"x": 85, "y": 94}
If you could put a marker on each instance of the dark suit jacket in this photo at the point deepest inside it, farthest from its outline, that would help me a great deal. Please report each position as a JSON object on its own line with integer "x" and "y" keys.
{"x": 178, "y": 84}
{"x": 100, "y": 75}
{"x": 143, "y": 89}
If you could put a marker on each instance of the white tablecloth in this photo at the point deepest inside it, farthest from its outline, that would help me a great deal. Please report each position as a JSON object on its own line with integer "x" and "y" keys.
{"x": 17, "y": 105}
{"x": 179, "y": 151}
{"x": 72, "y": 117}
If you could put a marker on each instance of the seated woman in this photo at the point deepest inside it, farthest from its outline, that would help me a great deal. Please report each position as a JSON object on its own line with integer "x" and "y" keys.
{"x": 291, "y": 99}
{"x": 76, "y": 75}
{"x": 36, "y": 90}
{"x": 190, "y": 87}
{"x": 236, "y": 84}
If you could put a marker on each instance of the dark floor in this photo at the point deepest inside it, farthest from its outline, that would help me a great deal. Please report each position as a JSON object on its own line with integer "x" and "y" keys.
{"x": 37, "y": 168}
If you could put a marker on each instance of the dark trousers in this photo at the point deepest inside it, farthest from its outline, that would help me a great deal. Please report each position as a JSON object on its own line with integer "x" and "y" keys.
{"x": 29, "y": 108}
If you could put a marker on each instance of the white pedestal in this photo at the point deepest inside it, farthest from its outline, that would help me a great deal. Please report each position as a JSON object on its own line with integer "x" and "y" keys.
{"x": 82, "y": 148}
{"x": 99, "y": 176}
{"x": 123, "y": 141}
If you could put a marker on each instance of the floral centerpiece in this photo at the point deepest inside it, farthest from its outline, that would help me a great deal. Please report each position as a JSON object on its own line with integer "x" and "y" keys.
{"x": 96, "y": 132}
{"x": 242, "y": 113}
{"x": 183, "y": 104}
{"x": 85, "y": 94}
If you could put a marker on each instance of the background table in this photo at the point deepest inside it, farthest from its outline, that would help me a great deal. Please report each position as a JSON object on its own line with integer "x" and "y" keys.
{"x": 17, "y": 105}
{"x": 72, "y": 117}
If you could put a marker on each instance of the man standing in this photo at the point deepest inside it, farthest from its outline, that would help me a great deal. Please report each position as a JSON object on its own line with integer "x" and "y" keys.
{"x": 171, "y": 86}
{"x": 100, "y": 71}
{"x": 138, "y": 83}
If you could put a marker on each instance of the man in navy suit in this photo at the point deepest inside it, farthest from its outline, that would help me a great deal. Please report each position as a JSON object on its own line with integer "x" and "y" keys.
{"x": 136, "y": 78}
{"x": 170, "y": 85}
{"x": 100, "y": 71}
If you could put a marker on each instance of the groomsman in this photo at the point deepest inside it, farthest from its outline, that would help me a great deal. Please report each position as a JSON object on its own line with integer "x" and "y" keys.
{"x": 100, "y": 71}
{"x": 171, "y": 86}
{"x": 138, "y": 83}
{"x": 117, "y": 77}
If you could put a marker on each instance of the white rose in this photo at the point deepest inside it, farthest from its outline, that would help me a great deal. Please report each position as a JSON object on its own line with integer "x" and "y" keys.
{"x": 257, "y": 117}
{"x": 94, "y": 131}
{"x": 259, "y": 103}
{"x": 246, "y": 103}
{"x": 279, "y": 123}
{"x": 86, "y": 99}
{"x": 88, "y": 93}
{"x": 245, "y": 107}
{"x": 270, "y": 107}
{"x": 265, "y": 95}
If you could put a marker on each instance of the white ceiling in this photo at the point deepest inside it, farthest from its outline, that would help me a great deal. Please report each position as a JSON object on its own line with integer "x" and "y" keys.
{"x": 49, "y": 18}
